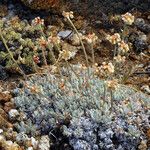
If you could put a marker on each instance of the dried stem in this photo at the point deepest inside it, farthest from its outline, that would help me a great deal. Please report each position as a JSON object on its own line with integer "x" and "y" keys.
{"x": 86, "y": 57}
{"x": 44, "y": 56}
{"x": 93, "y": 56}
{"x": 111, "y": 100}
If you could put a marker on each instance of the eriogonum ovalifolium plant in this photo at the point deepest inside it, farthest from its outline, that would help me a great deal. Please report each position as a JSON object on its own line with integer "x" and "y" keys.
{"x": 48, "y": 101}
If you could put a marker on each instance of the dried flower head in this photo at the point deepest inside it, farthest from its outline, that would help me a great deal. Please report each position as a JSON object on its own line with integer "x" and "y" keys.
{"x": 34, "y": 89}
{"x": 76, "y": 40}
{"x": 62, "y": 84}
{"x": 36, "y": 59}
{"x": 37, "y": 21}
{"x": 128, "y": 18}
{"x": 114, "y": 39}
{"x": 108, "y": 68}
{"x": 53, "y": 69}
{"x": 91, "y": 38}
{"x": 114, "y": 18}
{"x": 120, "y": 59}
{"x": 54, "y": 40}
{"x": 112, "y": 84}
{"x": 123, "y": 47}
{"x": 96, "y": 68}
{"x": 68, "y": 15}
{"x": 42, "y": 42}
{"x": 66, "y": 54}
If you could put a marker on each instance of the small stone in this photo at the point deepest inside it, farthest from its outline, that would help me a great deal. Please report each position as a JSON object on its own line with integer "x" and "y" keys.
{"x": 65, "y": 34}
{"x": 143, "y": 145}
{"x": 3, "y": 73}
{"x": 8, "y": 106}
{"x": 16, "y": 91}
{"x": 13, "y": 114}
{"x": 4, "y": 123}
{"x": 146, "y": 88}
{"x": 9, "y": 143}
{"x": 28, "y": 143}
{"x": 1, "y": 131}
{"x": 139, "y": 21}
{"x": 2, "y": 137}
{"x": 30, "y": 148}
{"x": 34, "y": 142}
{"x": 44, "y": 143}
{"x": 140, "y": 45}
{"x": 3, "y": 113}
{"x": 5, "y": 96}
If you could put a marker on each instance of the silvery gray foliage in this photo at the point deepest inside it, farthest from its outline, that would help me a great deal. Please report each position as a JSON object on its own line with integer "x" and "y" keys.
{"x": 92, "y": 126}
{"x": 85, "y": 134}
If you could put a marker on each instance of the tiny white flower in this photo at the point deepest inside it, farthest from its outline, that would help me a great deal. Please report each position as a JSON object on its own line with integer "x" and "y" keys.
{"x": 119, "y": 58}
{"x": 37, "y": 21}
{"x": 114, "y": 39}
{"x": 1, "y": 131}
{"x": 68, "y": 14}
{"x": 128, "y": 18}
{"x": 123, "y": 47}
{"x": 30, "y": 148}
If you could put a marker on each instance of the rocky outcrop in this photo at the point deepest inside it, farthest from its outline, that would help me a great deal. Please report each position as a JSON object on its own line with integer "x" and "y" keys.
{"x": 41, "y": 4}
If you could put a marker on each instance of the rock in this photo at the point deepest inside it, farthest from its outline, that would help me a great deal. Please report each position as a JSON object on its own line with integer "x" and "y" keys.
{"x": 1, "y": 131}
{"x": 146, "y": 88}
{"x": 5, "y": 96}
{"x": 30, "y": 148}
{"x": 65, "y": 34}
{"x": 10, "y": 134}
{"x": 143, "y": 145}
{"x": 140, "y": 45}
{"x": 140, "y": 23}
{"x": 41, "y": 4}
{"x": 3, "y": 113}
{"x": 34, "y": 142}
{"x": 13, "y": 114}
{"x": 8, "y": 145}
{"x": 44, "y": 143}
{"x": 8, "y": 106}
{"x": 4, "y": 123}
{"x": 3, "y": 73}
